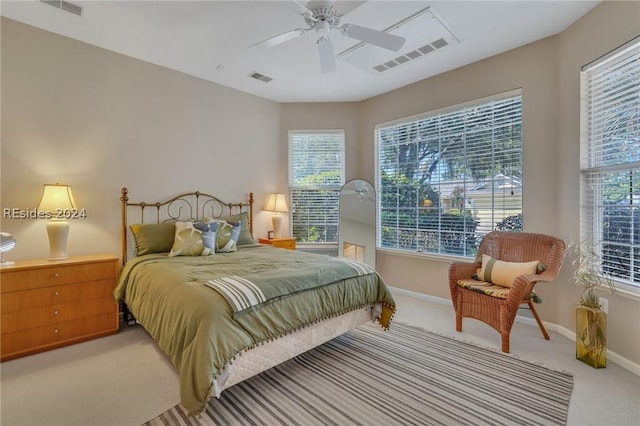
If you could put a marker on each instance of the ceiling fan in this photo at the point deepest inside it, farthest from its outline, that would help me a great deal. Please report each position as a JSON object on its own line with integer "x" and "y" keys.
{"x": 324, "y": 16}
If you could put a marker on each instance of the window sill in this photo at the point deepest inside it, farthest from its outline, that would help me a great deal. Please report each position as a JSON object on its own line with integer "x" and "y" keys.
{"x": 447, "y": 258}
{"x": 328, "y": 249}
{"x": 627, "y": 291}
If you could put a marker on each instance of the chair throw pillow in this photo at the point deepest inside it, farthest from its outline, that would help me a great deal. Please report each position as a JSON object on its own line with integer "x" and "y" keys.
{"x": 194, "y": 239}
{"x": 503, "y": 273}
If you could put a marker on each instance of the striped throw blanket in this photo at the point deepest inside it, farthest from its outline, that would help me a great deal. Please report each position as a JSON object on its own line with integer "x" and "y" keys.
{"x": 249, "y": 292}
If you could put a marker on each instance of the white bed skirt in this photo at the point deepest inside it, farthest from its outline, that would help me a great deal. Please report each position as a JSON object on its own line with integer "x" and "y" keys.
{"x": 286, "y": 347}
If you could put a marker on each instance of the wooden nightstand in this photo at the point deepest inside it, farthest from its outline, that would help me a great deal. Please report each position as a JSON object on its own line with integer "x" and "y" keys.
{"x": 48, "y": 304}
{"x": 287, "y": 243}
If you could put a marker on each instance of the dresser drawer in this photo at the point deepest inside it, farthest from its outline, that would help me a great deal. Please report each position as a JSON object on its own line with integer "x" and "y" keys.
{"x": 48, "y": 304}
{"x": 56, "y": 275}
{"x": 54, "y": 335}
{"x": 57, "y": 295}
{"x": 288, "y": 244}
{"x": 38, "y": 317}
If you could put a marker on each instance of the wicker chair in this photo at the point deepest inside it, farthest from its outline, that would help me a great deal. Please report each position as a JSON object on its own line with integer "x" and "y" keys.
{"x": 499, "y": 310}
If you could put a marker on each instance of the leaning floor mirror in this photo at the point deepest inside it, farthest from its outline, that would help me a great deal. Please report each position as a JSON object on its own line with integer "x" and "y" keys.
{"x": 357, "y": 224}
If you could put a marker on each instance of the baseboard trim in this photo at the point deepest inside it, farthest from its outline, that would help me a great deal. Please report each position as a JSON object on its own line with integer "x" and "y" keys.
{"x": 420, "y": 296}
{"x": 612, "y": 356}
{"x": 569, "y": 334}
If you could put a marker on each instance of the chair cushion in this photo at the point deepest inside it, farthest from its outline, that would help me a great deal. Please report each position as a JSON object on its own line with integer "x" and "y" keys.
{"x": 503, "y": 273}
{"x": 489, "y": 289}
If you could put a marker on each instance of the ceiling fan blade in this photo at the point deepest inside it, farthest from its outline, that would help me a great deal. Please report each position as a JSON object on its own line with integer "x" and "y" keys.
{"x": 315, "y": 4}
{"x": 281, "y": 38}
{"x": 327, "y": 55}
{"x": 345, "y": 7}
{"x": 299, "y": 8}
{"x": 375, "y": 37}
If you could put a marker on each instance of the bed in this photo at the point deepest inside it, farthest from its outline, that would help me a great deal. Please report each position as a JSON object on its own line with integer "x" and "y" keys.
{"x": 224, "y": 308}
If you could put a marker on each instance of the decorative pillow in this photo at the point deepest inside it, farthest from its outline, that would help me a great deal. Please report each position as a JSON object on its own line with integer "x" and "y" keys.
{"x": 245, "y": 237}
{"x": 503, "y": 273}
{"x": 194, "y": 239}
{"x": 227, "y": 236}
{"x": 209, "y": 232}
{"x": 153, "y": 237}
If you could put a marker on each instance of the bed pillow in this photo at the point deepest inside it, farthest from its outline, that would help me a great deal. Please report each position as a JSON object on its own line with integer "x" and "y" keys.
{"x": 503, "y": 273}
{"x": 153, "y": 237}
{"x": 194, "y": 239}
{"x": 245, "y": 237}
{"x": 227, "y": 236}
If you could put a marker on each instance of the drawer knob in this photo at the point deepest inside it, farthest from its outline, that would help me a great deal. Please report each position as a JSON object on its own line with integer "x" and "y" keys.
{"x": 56, "y": 293}
{"x": 56, "y": 331}
{"x": 56, "y": 312}
{"x": 56, "y": 275}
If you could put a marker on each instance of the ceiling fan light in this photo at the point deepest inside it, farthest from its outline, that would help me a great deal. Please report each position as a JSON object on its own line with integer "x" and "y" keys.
{"x": 322, "y": 29}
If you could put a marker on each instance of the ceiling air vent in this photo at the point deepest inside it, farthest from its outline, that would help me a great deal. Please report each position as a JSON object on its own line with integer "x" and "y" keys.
{"x": 425, "y": 32}
{"x": 64, "y": 5}
{"x": 260, "y": 77}
{"x": 414, "y": 54}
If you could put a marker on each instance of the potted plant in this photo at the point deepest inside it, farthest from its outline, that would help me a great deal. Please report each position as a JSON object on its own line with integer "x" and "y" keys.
{"x": 591, "y": 320}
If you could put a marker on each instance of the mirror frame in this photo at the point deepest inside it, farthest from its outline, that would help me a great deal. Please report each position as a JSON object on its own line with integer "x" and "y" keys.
{"x": 357, "y": 221}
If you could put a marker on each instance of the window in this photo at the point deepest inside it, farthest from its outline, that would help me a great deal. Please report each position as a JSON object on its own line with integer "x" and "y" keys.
{"x": 448, "y": 177}
{"x": 316, "y": 174}
{"x": 611, "y": 161}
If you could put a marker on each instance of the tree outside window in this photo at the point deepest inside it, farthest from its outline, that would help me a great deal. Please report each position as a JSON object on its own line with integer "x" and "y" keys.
{"x": 447, "y": 178}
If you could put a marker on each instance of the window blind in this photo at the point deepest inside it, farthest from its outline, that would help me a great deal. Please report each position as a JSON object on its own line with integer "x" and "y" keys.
{"x": 447, "y": 178}
{"x": 316, "y": 174}
{"x": 610, "y": 212}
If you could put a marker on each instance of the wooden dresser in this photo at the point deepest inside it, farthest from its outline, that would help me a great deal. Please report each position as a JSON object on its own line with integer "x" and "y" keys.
{"x": 48, "y": 304}
{"x": 286, "y": 243}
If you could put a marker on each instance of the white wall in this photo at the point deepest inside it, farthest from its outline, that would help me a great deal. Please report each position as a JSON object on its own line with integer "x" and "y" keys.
{"x": 98, "y": 121}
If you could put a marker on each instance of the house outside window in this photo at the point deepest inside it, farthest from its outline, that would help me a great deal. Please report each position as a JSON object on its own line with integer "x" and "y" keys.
{"x": 316, "y": 175}
{"x": 446, "y": 178}
{"x": 610, "y": 163}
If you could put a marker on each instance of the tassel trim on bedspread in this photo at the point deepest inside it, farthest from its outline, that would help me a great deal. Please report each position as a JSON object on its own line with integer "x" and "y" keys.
{"x": 384, "y": 318}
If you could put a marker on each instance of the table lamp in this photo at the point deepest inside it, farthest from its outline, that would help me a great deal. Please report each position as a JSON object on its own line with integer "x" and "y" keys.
{"x": 57, "y": 202}
{"x": 277, "y": 204}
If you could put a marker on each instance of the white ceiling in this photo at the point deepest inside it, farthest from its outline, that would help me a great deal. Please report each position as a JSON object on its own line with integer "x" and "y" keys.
{"x": 210, "y": 39}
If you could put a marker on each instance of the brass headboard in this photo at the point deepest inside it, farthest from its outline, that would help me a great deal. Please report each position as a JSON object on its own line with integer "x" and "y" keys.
{"x": 188, "y": 206}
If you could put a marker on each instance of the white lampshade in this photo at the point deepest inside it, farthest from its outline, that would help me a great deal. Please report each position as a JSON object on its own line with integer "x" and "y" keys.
{"x": 56, "y": 196}
{"x": 57, "y": 202}
{"x": 277, "y": 204}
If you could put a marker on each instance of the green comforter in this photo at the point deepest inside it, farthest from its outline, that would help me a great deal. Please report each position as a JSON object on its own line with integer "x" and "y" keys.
{"x": 196, "y": 327}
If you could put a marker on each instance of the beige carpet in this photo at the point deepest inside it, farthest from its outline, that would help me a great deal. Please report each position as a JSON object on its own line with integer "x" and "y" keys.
{"x": 123, "y": 380}
{"x": 119, "y": 380}
{"x": 404, "y": 376}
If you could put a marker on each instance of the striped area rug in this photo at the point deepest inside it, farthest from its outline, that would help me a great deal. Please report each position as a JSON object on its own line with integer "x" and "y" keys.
{"x": 404, "y": 376}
